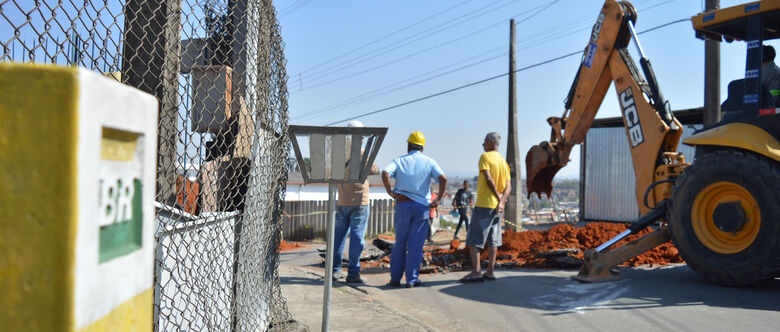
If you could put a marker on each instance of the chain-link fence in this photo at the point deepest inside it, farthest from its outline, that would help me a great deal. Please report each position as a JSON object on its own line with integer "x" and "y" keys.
{"x": 217, "y": 67}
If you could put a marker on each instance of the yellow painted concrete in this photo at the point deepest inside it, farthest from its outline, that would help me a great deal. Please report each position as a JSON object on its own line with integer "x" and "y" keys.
{"x": 118, "y": 145}
{"x": 132, "y": 315}
{"x": 38, "y": 202}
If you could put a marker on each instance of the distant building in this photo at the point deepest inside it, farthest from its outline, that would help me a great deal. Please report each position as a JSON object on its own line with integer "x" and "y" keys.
{"x": 297, "y": 191}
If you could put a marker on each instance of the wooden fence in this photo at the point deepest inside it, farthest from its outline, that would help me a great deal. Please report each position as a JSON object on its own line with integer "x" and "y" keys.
{"x": 305, "y": 220}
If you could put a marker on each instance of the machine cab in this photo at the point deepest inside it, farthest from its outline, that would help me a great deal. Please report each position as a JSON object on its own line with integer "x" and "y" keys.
{"x": 748, "y": 101}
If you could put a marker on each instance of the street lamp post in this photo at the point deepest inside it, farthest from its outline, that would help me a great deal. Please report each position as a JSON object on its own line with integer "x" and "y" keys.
{"x": 336, "y": 155}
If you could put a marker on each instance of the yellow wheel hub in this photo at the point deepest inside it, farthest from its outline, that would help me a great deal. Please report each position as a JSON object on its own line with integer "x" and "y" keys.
{"x": 703, "y": 217}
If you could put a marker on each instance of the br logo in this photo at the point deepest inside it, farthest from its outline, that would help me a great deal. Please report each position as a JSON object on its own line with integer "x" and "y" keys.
{"x": 116, "y": 201}
{"x": 120, "y": 217}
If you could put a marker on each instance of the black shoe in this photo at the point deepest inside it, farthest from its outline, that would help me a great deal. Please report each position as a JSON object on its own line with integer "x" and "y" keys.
{"x": 355, "y": 280}
{"x": 394, "y": 283}
{"x": 416, "y": 284}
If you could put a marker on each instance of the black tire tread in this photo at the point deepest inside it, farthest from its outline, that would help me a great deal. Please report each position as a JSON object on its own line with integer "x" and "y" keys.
{"x": 706, "y": 262}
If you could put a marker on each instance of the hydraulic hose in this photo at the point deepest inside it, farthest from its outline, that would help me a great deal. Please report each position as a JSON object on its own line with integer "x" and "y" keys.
{"x": 638, "y": 225}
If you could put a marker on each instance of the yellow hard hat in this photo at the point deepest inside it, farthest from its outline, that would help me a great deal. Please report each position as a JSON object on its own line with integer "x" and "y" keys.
{"x": 416, "y": 138}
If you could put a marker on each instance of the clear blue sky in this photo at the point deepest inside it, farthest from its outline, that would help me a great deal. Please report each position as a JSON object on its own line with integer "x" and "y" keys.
{"x": 377, "y": 50}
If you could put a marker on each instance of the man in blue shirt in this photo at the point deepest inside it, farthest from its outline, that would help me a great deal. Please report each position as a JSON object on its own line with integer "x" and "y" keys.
{"x": 413, "y": 173}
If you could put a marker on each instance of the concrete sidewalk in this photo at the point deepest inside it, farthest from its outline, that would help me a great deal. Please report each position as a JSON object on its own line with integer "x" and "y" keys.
{"x": 352, "y": 309}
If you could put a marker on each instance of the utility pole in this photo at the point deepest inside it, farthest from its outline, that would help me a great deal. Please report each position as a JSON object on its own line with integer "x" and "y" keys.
{"x": 151, "y": 56}
{"x": 514, "y": 205}
{"x": 711, "y": 75}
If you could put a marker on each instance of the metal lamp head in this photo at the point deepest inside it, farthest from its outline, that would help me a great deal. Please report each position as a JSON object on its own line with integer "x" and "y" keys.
{"x": 333, "y": 157}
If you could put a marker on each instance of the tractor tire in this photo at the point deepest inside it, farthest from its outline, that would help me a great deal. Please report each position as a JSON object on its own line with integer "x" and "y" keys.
{"x": 725, "y": 217}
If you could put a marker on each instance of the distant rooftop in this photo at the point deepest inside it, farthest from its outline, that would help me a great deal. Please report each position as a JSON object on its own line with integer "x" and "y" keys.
{"x": 297, "y": 178}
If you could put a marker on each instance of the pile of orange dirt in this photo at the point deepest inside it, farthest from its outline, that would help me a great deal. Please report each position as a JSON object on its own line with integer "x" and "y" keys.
{"x": 520, "y": 249}
{"x": 285, "y": 246}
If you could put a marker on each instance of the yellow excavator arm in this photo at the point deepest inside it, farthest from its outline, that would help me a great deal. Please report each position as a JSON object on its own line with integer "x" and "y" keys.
{"x": 652, "y": 130}
{"x": 722, "y": 210}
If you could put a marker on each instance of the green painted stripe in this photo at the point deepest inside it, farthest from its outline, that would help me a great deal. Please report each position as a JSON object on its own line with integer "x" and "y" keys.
{"x": 123, "y": 237}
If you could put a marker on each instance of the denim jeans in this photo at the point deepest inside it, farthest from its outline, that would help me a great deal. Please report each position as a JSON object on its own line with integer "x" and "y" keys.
{"x": 353, "y": 219}
{"x": 411, "y": 228}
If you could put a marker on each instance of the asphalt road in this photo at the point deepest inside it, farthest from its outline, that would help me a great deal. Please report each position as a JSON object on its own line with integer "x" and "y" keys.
{"x": 672, "y": 298}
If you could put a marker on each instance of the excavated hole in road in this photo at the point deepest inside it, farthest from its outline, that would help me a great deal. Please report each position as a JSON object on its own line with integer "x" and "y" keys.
{"x": 560, "y": 247}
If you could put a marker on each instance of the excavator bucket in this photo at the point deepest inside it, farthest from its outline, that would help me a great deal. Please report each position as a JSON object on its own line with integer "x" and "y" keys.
{"x": 541, "y": 165}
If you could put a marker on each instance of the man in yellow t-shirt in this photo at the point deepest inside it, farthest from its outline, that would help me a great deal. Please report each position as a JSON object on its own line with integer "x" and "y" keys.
{"x": 493, "y": 189}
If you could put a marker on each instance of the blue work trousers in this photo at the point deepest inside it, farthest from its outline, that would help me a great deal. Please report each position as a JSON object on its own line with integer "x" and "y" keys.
{"x": 353, "y": 219}
{"x": 411, "y": 229}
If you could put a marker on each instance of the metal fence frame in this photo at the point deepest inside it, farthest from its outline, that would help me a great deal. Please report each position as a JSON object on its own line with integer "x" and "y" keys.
{"x": 307, "y": 220}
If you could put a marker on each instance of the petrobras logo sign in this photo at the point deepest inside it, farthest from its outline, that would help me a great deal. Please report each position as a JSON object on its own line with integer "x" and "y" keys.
{"x": 116, "y": 200}
{"x": 631, "y": 118}
{"x": 120, "y": 213}
{"x": 597, "y": 28}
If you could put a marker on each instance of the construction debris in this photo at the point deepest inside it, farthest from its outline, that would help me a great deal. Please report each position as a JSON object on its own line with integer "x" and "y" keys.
{"x": 286, "y": 246}
{"x": 370, "y": 253}
{"x": 560, "y": 247}
{"x": 384, "y": 244}
{"x": 557, "y": 253}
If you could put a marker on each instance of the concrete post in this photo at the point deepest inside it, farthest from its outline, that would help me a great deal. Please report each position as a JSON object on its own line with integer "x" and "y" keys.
{"x": 150, "y": 62}
{"x": 514, "y": 205}
{"x": 711, "y": 75}
{"x": 76, "y": 201}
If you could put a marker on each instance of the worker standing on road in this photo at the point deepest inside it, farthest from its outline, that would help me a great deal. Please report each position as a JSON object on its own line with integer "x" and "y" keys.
{"x": 493, "y": 189}
{"x": 462, "y": 201}
{"x": 352, "y": 215}
{"x": 413, "y": 173}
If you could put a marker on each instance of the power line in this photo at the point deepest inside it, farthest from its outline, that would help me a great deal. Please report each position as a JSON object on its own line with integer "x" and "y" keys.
{"x": 393, "y": 61}
{"x": 404, "y": 42}
{"x": 455, "y": 89}
{"x": 663, "y": 25}
{"x": 535, "y": 40}
{"x": 387, "y": 88}
{"x": 394, "y": 45}
{"x": 395, "y": 86}
{"x": 540, "y": 9}
{"x": 573, "y": 27}
{"x": 426, "y": 19}
{"x": 486, "y": 79}
{"x": 298, "y": 4}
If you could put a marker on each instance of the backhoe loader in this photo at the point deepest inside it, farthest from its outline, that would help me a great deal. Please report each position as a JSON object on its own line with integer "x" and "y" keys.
{"x": 722, "y": 212}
